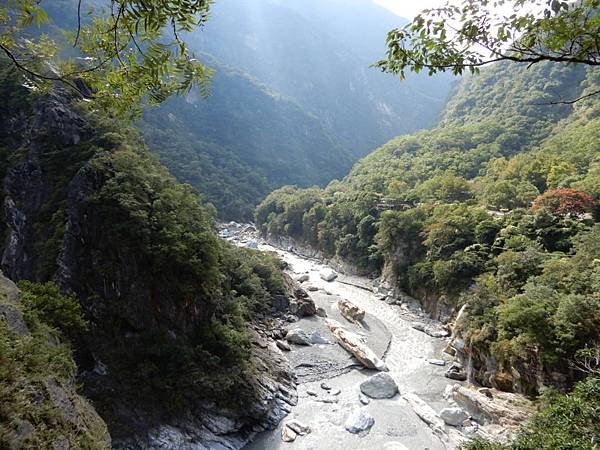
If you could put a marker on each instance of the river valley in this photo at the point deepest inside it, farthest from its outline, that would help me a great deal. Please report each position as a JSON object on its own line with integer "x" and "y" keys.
{"x": 329, "y": 378}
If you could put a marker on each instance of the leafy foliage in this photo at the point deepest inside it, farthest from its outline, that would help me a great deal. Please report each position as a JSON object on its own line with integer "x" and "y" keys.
{"x": 166, "y": 303}
{"x": 44, "y": 302}
{"x": 565, "y": 202}
{"x": 476, "y": 33}
{"x": 124, "y": 52}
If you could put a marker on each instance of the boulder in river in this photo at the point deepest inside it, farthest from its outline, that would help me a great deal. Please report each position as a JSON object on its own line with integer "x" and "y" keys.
{"x": 437, "y": 362}
{"x": 316, "y": 338}
{"x": 303, "y": 306}
{"x": 312, "y": 288}
{"x": 431, "y": 331}
{"x": 302, "y": 278}
{"x": 288, "y": 435}
{"x": 453, "y": 416}
{"x": 328, "y": 274}
{"x": 352, "y": 343}
{"x": 252, "y": 243}
{"x": 381, "y": 385}
{"x": 350, "y": 311}
{"x": 321, "y": 312}
{"x": 298, "y": 427}
{"x": 358, "y": 421}
{"x": 456, "y": 372}
{"x": 298, "y": 336}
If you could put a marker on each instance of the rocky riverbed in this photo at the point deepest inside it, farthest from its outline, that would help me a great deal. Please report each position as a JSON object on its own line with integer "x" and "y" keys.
{"x": 430, "y": 406}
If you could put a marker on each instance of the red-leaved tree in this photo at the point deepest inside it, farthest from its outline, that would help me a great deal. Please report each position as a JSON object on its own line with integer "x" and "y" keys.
{"x": 565, "y": 202}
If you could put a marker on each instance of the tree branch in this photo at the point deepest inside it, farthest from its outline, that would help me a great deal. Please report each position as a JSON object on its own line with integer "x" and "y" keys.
{"x": 78, "y": 23}
{"x": 22, "y": 68}
{"x": 569, "y": 102}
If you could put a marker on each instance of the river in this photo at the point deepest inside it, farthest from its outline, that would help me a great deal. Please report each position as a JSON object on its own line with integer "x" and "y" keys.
{"x": 406, "y": 352}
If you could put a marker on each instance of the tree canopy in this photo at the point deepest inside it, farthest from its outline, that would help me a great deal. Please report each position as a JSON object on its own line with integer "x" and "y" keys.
{"x": 115, "y": 53}
{"x": 479, "y": 32}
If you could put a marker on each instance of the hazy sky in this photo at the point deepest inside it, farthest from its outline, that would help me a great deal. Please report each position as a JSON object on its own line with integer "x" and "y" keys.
{"x": 409, "y": 8}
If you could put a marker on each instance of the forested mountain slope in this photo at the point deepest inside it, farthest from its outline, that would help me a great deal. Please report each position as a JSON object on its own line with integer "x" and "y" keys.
{"x": 446, "y": 215}
{"x": 294, "y": 99}
{"x": 318, "y": 52}
{"x": 241, "y": 143}
{"x": 157, "y": 308}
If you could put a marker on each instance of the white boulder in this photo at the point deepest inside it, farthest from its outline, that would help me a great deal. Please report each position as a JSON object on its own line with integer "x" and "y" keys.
{"x": 328, "y": 274}
{"x": 358, "y": 421}
{"x": 453, "y": 416}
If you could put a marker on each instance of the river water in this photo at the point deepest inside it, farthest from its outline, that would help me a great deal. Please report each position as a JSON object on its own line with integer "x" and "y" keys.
{"x": 397, "y": 426}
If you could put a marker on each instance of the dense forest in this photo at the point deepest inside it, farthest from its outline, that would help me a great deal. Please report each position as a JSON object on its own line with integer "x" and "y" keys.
{"x": 495, "y": 209}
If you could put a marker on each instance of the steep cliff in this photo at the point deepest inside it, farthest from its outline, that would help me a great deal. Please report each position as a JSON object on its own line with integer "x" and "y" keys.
{"x": 175, "y": 353}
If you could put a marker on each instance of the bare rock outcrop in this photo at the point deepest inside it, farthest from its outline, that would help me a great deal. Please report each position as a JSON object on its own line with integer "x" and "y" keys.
{"x": 493, "y": 406}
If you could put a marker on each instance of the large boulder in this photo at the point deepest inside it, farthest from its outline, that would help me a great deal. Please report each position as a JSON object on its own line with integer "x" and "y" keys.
{"x": 358, "y": 421}
{"x": 302, "y": 278}
{"x": 350, "y": 311}
{"x": 298, "y": 336}
{"x": 303, "y": 306}
{"x": 328, "y": 274}
{"x": 453, "y": 416}
{"x": 353, "y": 343}
{"x": 381, "y": 385}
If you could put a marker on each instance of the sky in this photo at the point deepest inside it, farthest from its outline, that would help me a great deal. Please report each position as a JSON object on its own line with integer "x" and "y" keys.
{"x": 409, "y": 8}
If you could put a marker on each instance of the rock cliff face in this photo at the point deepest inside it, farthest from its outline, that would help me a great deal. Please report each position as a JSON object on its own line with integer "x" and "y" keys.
{"x": 56, "y": 225}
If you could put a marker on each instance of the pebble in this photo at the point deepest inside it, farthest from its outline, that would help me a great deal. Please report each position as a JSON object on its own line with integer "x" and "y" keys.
{"x": 325, "y": 386}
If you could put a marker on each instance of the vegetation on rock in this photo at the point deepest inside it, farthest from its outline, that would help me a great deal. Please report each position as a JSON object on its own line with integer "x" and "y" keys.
{"x": 166, "y": 303}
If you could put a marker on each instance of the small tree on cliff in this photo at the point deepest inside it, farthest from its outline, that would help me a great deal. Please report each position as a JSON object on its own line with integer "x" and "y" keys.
{"x": 565, "y": 202}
